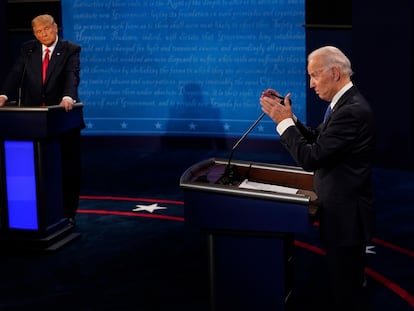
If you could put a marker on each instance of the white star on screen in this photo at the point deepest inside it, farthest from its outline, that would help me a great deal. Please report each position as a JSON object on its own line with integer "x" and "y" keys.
{"x": 158, "y": 125}
{"x": 124, "y": 125}
{"x": 149, "y": 208}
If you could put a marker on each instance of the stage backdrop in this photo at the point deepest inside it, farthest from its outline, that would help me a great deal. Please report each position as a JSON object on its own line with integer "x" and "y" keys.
{"x": 186, "y": 68}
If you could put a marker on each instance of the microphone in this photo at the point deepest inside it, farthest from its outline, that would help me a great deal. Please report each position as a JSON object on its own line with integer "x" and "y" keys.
{"x": 231, "y": 174}
{"x": 19, "y": 99}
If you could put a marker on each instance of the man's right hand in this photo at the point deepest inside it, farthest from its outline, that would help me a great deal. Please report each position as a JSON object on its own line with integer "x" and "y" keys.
{"x": 2, "y": 100}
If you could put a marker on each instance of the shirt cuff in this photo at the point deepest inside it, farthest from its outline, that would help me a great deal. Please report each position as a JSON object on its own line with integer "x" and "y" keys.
{"x": 284, "y": 124}
{"x": 68, "y": 98}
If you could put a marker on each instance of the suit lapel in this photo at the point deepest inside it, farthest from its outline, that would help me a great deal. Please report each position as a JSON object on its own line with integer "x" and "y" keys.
{"x": 35, "y": 63}
{"x": 54, "y": 59}
{"x": 342, "y": 100}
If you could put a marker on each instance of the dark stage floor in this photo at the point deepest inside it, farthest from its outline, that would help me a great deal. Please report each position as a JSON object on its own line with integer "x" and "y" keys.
{"x": 127, "y": 258}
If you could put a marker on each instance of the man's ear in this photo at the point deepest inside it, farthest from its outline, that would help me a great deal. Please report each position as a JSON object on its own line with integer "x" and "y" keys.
{"x": 335, "y": 73}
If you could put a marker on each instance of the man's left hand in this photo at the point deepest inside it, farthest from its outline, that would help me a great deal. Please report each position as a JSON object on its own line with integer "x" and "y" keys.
{"x": 67, "y": 103}
{"x": 275, "y": 110}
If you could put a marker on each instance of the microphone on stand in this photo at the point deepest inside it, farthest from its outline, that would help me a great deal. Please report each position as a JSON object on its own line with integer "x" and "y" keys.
{"x": 231, "y": 174}
{"x": 19, "y": 99}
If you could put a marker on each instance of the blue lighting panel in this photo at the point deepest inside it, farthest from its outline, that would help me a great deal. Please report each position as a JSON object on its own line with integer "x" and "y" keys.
{"x": 21, "y": 184}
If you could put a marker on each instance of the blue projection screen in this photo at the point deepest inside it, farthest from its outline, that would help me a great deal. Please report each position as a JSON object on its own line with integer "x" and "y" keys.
{"x": 186, "y": 68}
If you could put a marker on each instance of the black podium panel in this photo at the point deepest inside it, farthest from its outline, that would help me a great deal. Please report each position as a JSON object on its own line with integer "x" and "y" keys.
{"x": 38, "y": 122}
{"x": 250, "y": 230}
{"x": 250, "y": 272}
{"x": 31, "y": 179}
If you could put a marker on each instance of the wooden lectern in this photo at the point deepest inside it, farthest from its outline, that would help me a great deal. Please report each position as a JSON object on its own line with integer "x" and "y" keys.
{"x": 250, "y": 231}
{"x": 31, "y": 204}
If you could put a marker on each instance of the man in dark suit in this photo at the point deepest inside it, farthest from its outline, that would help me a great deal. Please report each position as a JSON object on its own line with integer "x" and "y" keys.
{"x": 340, "y": 152}
{"x": 31, "y": 84}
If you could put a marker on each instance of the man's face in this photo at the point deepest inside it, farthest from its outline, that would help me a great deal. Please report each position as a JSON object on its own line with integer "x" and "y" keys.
{"x": 321, "y": 79}
{"x": 46, "y": 33}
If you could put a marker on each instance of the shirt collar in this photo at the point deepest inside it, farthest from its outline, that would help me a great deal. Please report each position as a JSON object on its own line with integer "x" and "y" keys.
{"x": 51, "y": 48}
{"x": 340, "y": 93}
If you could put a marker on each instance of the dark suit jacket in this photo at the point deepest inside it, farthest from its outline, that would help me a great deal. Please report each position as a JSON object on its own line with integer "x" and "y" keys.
{"x": 340, "y": 152}
{"x": 62, "y": 78}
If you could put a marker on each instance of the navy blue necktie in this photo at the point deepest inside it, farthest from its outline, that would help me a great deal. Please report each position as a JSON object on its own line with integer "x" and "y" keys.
{"x": 327, "y": 113}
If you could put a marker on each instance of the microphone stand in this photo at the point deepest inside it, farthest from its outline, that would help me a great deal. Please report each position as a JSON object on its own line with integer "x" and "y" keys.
{"x": 230, "y": 173}
{"x": 19, "y": 100}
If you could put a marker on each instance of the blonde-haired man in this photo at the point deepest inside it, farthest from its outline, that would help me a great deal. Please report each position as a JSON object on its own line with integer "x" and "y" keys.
{"x": 47, "y": 73}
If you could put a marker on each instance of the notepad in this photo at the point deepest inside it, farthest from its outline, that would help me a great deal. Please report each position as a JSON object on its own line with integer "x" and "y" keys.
{"x": 246, "y": 184}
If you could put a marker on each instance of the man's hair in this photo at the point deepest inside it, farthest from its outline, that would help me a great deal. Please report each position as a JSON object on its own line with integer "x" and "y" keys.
{"x": 332, "y": 56}
{"x": 42, "y": 19}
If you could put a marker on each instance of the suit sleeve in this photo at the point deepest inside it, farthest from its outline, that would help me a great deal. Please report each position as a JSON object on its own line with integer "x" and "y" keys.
{"x": 72, "y": 73}
{"x": 326, "y": 144}
{"x": 10, "y": 86}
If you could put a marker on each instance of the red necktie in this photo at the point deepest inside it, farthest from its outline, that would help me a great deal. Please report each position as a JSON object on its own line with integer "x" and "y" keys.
{"x": 45, "y": 64}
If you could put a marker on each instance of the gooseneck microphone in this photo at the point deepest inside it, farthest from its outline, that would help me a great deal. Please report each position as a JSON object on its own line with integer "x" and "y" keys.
{"x": 231, "y": 175}
{"x": 19, "y": 99}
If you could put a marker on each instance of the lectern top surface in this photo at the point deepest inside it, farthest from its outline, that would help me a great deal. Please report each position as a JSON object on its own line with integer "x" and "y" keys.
{"x": 38, "y": 108}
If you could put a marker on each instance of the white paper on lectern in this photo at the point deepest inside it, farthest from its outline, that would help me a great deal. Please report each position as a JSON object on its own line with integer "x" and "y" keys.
{"x": 246, "y": 184}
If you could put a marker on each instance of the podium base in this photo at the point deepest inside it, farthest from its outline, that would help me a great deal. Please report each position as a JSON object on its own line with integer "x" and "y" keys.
{"x": 51, "y": 242}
